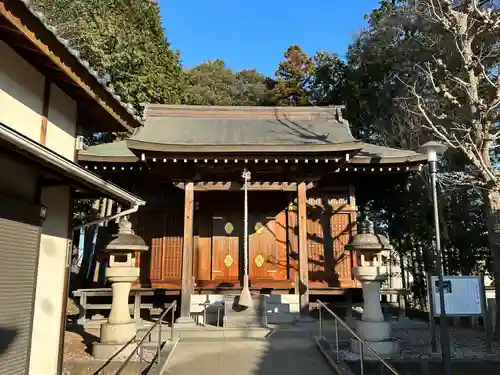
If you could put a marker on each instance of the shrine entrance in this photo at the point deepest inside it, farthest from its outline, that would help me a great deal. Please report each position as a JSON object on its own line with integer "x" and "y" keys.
{"x": 227, "y": 237}
{"x": 220, "y": 236}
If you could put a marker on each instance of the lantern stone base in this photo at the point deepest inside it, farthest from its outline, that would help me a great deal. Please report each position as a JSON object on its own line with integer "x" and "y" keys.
{"x": 373, "y": 331}
{"x": 116, "y": 341}
{"x": 118, "y": 333}
{"x": 386, "y": 349}
{"x": 371, "y": 271}
{"x": 116, "y": 352}
{"x": 372, "y": 327}
{"x": 378, "y": 336}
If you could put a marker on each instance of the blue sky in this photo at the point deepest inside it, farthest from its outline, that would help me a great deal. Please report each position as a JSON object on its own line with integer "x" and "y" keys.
{"x": 255, "y": 33}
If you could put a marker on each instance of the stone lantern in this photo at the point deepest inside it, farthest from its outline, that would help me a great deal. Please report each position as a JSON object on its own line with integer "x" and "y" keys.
{"x": 371, "y": 273}
{"x": 121, "y": 271}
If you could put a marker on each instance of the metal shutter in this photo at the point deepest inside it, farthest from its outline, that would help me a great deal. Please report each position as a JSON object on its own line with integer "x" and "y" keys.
{"x": 20, "y": 228}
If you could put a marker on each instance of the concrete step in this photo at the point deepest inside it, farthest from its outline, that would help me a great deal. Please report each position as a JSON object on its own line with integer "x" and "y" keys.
{"x": 285, "y": 331}
{"x": 236, "y": 316}
{"x": 102, "y": 368}
{"x": 247, "y": 357}
{"x": 95, "y": 324}
{"x": 208, "y": 332}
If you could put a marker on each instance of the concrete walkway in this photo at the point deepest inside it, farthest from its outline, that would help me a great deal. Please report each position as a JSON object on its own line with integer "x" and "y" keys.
{"x": 248, "y": 357}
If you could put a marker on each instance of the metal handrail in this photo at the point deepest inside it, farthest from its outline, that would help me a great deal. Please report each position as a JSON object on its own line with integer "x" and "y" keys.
{"x": 138, "y": 349}
{"x": 351, "y": 331}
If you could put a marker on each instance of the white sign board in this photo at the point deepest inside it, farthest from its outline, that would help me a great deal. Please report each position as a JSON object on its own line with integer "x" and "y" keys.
{"x": 462, "y": 295}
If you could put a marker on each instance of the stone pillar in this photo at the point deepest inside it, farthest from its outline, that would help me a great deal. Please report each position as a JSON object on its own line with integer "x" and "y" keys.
{"x": 121, "y": 291}
{"x": 120, "y": 328}
{"x": 118, "y": 332}
{"x": 372, "y": 309}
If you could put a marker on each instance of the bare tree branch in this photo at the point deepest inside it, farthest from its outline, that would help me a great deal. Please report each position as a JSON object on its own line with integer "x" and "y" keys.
{"x": 455, "y": 94}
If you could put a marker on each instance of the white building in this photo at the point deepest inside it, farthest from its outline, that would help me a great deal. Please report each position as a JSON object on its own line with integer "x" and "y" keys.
{"x": 48, "y": 96}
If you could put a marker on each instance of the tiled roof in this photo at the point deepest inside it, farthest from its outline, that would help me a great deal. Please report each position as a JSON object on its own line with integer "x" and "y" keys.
{"x": 243, "y": 126}
{"x": 373, "y": 154}
{"x": 370, "y": 154}
{"x": 103, "y": 80}
{"x": 115, "y": 151}
{"x": 174, "y": 128}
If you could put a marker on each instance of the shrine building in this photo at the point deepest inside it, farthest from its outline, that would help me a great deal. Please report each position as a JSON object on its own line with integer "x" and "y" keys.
{"x": 187, "y": 162}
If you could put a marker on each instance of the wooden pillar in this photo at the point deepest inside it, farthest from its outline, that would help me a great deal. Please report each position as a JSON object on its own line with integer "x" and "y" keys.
{"x": 303, "y": 255}
{"x": 187, "y": 256}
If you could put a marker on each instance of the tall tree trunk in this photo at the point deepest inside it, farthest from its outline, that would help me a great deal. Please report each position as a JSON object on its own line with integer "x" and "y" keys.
{"x": 403, "y": 273}
{"x": 416, "y": 280}
{"x": 421, "y": 276}
{"x": 492, "y": 202}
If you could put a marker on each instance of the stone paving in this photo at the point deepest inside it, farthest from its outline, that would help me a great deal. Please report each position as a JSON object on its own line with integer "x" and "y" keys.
{"x": 248, "y": 357}
{"x": 415, "y": 338}
{"x": 290, "y": 348}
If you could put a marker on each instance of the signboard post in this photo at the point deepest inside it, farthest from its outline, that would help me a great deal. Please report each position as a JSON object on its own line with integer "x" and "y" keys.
{"x": 431, "y": 300}
{"x": 463, "y": 296}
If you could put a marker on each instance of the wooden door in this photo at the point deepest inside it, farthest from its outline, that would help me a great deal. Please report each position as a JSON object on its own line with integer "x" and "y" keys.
{"x": 328, "y": 233}
{"x": 267, "y": 247}
{"x": 341, "y": 234}
{"x": 163, "y": 233}
{"x": 226, "y": 239}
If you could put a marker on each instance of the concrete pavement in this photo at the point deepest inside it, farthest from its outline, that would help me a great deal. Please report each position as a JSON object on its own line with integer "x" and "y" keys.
{"x": 248, "y": 357}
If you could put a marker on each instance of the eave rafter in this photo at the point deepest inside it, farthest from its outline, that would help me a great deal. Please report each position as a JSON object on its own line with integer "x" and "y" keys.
{"x": 249, "y": 159}
{"x": 345, "y": 168}
{"x": 252, "y": 186}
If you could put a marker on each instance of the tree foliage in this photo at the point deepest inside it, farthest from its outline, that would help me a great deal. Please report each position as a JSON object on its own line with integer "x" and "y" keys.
{"x": 457, "y": 96}
{"x": 327, "y": 84}
{"x": 293, "y": 76}
{"x": 212, "y": 83}
{"x": 428, "y": 69}
{"x": 125, "y": 42}
{"x": 300, "y": 80}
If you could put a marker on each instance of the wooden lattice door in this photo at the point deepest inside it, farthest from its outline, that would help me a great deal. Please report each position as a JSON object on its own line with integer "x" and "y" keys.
{"x": 328, "y": 231}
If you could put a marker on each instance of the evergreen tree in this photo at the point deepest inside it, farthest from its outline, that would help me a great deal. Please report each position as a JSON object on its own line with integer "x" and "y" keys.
{"x": 328, "y": 81}
{"x": 213, "y": 83}
{"x": 124, "y": 41}
{"x": 293, "y": 76}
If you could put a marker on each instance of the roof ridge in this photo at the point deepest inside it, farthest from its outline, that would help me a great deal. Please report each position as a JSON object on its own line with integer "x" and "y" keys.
{"x": 231, "y": 107}
{"x": 199, "y": 111}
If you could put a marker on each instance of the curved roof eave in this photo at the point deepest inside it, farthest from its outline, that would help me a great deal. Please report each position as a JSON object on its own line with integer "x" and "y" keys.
{"x": 253, "y": 148}
{"x": 125, "y": 152}
{"x": 388, "y": 160}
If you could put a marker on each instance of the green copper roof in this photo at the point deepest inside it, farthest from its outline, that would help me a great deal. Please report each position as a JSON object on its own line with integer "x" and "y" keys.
{"x": 370, "y": 154}
{"x": 115, "y": 151}
{"x": 243, "y": 126}
{"x": 173, "y": 128}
